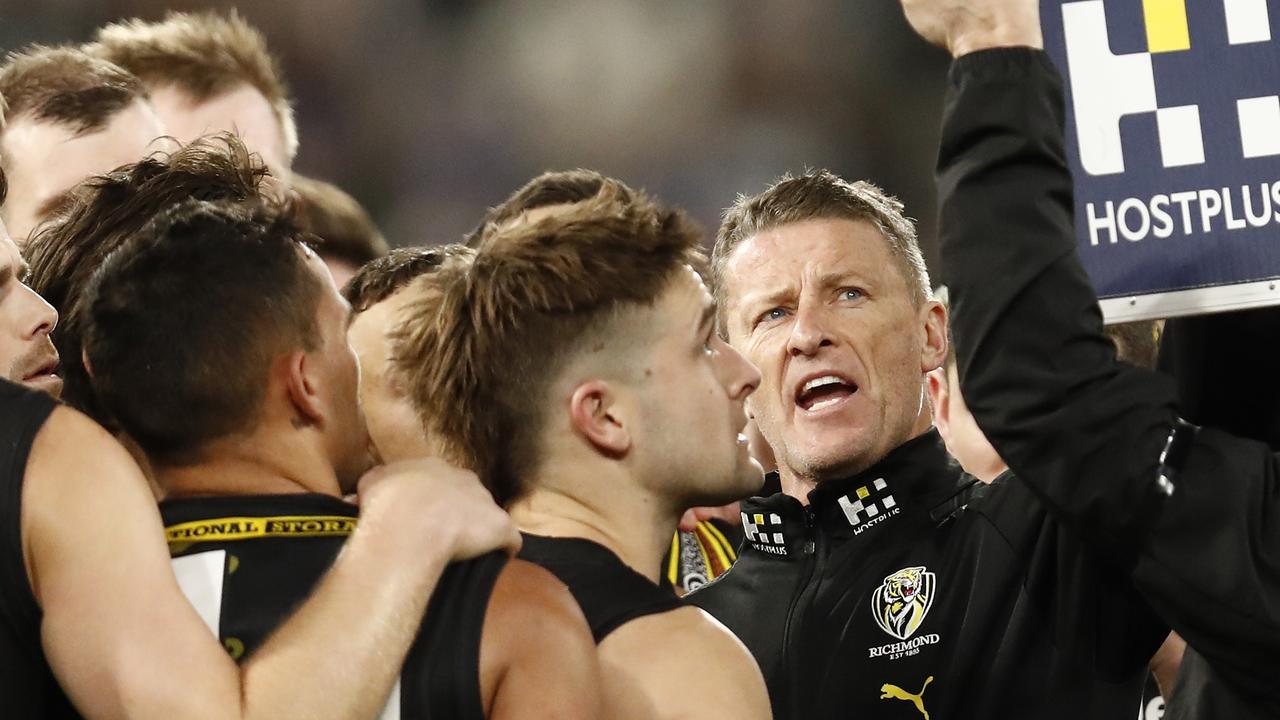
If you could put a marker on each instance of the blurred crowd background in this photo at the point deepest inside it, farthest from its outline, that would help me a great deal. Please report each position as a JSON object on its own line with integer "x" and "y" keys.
{"x": 430, "y": 111}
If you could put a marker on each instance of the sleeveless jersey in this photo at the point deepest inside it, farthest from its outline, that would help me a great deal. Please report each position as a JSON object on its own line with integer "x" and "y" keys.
{"x": 27, "y": 686}
{"x": 609, "y": 592}
{"x": 246, "y": 562}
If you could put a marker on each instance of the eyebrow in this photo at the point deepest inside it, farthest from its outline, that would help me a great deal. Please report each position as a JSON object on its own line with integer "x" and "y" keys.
{"x": 53, "y": 205}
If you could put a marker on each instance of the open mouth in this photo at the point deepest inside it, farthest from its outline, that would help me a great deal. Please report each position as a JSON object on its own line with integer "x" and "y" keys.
{"x": 824, "y": 391}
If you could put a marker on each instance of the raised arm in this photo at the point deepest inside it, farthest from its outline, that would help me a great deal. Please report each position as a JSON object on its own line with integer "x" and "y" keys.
{"x": 124, "y": 642}
{"x": 1199, "y": 531}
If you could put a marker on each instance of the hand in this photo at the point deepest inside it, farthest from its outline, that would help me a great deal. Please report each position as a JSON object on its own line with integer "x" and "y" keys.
{"x": 965, "y": 26}
{"x": 430, "y": 503}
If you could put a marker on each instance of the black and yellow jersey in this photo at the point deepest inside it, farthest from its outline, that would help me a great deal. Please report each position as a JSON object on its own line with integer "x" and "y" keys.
{"x": 700, "y": 556}
{"x": 247, "y": 562}
{"x": 27, "y": 686}
{"x": 609, "y": 592}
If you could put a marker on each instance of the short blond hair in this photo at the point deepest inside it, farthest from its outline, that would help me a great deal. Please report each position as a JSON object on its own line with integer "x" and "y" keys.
{"x": 820, "y": 195}
{"x": 204, "y": 54}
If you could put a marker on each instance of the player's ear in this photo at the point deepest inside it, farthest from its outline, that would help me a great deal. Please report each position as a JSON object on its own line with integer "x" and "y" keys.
{"x": 937, "y": 387}
{"x": 595, "y": 414}
{"x": 297, "y": 373}
{"x": 934, "y": 327}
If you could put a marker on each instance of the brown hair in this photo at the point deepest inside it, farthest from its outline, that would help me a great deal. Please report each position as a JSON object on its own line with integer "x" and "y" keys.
{"x": 345, "y": 230}
{"x": 380, "y": 279}
{"x": 480, "y": 358}
{"x": 561, "y": 187}
{"x": 104, "y": 213}
{"x": 65, "y": 85}
{"x": 819, "y": 195}
{"x": 204, "y": 54}
{"x": 1137, "y": 343}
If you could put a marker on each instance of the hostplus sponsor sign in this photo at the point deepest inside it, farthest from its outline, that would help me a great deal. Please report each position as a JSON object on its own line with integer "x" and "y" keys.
{"x": 1173, "y": 138}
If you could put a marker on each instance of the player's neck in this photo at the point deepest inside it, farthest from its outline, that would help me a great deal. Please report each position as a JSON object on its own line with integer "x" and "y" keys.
{"x": 637, "y": 529}
{"x": 247, "y": 467}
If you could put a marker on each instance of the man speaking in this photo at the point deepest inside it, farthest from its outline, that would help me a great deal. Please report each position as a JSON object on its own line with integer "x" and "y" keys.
{"x": 883, "y": 582}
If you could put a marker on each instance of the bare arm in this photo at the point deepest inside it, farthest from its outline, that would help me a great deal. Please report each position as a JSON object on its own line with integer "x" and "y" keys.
{"x": 680, "y": 664}
{"x": 537, "y": 657}
{"x": 124, "y": 642}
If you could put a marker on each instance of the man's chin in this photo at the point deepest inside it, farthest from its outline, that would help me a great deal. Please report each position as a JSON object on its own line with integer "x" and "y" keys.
{"x": 831, "y": 463}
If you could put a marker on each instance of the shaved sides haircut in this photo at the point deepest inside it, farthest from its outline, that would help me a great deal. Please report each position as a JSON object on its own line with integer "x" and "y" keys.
{"x": 820, "y": 195}
{"x": 344, "y": 227}
{"x": 562, "y": 187}
{"x": 380, "y": 279}
{"x": 204, "y": 54}
{"x": 481, "y": 359}
{"x": 104, "y": 212}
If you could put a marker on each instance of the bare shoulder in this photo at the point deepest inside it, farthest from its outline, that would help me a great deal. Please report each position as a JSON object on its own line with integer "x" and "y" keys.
{"x": 526, "y": 593}
{"x": 537, "y": 656}
{"x": 77, "y": 472}
{"x": 685, "y": 663}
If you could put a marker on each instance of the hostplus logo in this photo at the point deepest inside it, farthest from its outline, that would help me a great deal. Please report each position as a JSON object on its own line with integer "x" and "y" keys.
{"x": 1237, "y": 118}
{"x": 764, "y": 532}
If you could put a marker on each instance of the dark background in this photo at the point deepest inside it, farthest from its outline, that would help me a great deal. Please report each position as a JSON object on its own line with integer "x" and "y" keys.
{"x": 428, "y": 112}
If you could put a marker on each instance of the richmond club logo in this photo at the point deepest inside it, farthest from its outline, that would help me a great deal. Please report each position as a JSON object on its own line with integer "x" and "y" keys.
{"x": 903, "y": 600}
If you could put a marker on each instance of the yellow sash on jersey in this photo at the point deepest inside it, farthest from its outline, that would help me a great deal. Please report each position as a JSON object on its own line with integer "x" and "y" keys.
{"x": 244, "y": 528}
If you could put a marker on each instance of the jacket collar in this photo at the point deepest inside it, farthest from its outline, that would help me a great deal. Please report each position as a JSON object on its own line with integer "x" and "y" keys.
{"x": 917, "y": 476}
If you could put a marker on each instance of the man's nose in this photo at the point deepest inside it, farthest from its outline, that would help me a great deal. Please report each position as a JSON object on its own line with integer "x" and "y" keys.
{"x": 808, "y": 332}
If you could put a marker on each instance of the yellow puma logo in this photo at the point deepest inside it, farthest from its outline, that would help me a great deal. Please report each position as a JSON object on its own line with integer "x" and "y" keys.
{"x": 893, "y": 692}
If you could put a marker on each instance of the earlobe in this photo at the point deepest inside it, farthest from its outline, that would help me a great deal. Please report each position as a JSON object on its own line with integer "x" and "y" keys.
{"x": 936, "y": 386}
{"x": 595, "y": 417}
{"x": 302, "y": 387}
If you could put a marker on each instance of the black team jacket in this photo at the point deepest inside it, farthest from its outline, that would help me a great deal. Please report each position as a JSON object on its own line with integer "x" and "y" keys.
{"x": 1191, "y": 516}
{"x": 912, "y": 588}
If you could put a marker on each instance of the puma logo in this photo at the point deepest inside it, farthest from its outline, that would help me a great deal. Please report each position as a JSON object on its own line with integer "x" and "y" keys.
{"x": 893, "y": 692}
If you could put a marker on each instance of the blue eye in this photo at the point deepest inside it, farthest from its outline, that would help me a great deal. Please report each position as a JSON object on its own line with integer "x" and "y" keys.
{"x": 774, "y": 314}
{"x": 851, "y": 294}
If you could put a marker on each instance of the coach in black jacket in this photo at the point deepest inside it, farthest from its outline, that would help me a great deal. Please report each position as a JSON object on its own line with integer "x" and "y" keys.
{"x": 1191, "y": 515}
{"x": 884, "y": 582}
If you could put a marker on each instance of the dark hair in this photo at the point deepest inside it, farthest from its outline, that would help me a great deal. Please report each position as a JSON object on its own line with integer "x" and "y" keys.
{"x": 185, "y": 320}
{"x": 560, "y": 187}
{"x": 104, "y": 212}
{"x": 378, "y": 280}
{"x": 479, "y": 359}
{"x": 345, "y": 229}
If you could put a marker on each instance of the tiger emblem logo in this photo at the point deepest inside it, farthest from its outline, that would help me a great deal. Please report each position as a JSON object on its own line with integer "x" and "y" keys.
{"x": 902, "y": 601}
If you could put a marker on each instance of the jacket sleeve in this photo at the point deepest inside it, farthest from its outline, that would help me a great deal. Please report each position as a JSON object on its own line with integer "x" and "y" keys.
{"x": 1085, "y": 432}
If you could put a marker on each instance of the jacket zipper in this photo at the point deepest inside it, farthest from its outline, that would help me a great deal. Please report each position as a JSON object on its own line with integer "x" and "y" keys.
{"x": 810, "y": 553}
